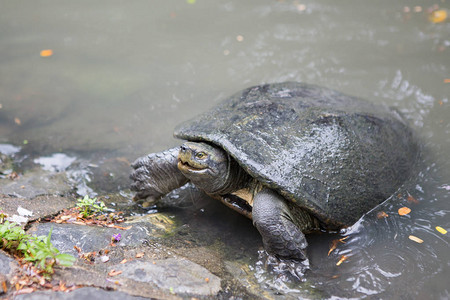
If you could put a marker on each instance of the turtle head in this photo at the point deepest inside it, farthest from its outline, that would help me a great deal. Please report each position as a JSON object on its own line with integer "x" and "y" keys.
{"x": 207, "y": 167}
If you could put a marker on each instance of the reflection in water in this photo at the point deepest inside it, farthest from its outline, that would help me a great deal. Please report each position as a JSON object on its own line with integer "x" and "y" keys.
{"x": 57, "y": 162}
{"x": 122, "y": 76}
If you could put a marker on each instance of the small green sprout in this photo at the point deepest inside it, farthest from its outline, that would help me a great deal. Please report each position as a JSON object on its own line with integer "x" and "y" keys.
{"x": 89, "y": 207}
{"x": 36, "y": 249}
{"x": 3, "y": 216}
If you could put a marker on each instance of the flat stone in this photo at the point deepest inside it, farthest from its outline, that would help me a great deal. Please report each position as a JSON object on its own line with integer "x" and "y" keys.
{"x": 5, "y": 262}
{"x": 177, "y": 275}
{"x": 66, "y": 236}
{"x": 34, "y": 183}
{"x": 40, "y": 207}
{"x": 90, "y": 293}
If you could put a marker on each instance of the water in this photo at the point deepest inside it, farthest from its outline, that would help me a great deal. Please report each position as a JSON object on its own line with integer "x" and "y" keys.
{"x": 123, "y": 74}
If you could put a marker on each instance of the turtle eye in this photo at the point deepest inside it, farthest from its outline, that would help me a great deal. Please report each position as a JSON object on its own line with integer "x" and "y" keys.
{"x": 200, "y": 155}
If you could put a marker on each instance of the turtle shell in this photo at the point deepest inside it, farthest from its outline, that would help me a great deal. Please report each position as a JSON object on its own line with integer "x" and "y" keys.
{"x": 334, "y": 155}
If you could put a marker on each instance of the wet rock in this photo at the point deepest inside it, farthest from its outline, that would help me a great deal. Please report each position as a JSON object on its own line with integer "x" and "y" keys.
{"x": 179, "y": 276}
{"x": 82, "y": 293}
{"x": 39, "y": 207}
{"x": 35, "y": 183}
{"x": 5, "y": 262}
{"x": 66, "y": 236}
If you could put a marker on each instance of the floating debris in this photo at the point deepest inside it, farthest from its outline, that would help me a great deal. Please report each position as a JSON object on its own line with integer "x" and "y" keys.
{"x": 382, "y": 215}
{"x": 441, "y": 230}
{"x": 415, "y": 239}
{"x": 46, "y": 53}
{"x": 343, "y": 258}
{"x": 438, "y": 16}
{"x": 404, "y": 211}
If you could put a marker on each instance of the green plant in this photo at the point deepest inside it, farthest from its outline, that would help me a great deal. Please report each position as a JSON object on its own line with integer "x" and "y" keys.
{"x": 36, "y": 249}
{"x": 89, "y": 207}
{"x": 3, "y": 216}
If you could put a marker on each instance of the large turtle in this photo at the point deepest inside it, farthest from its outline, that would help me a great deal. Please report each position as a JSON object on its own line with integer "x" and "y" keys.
{"x": 293, "y": 157}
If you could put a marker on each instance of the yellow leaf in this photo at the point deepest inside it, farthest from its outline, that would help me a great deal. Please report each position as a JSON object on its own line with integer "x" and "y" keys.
{"x": 415, "y": 239}
{"x": 441, "y": 230}
{"x": 46, "y": 53}
{"x": 404, "y": 211}
{"x": 438, "y": 16}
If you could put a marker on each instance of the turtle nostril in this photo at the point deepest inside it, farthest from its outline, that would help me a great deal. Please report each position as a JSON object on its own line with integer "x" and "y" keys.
{"x": 183, "y": 149}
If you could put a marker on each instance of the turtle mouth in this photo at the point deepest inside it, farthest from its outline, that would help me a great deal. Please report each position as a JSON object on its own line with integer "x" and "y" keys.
{"x": 185, "y": 166}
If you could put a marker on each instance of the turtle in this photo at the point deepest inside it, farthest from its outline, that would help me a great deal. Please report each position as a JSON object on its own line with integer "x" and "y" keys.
{"x": 294, "y": 157}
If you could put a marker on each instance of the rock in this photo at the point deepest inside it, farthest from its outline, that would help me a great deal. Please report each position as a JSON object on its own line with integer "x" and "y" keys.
{"x": 176, "y": 275}
{"x": 5, "y": 262}
{"x": 35, "y": 183}
{"x": 90, "y": 293}
{"x": 66, "y": 236}
{"x": 40, "y": 206}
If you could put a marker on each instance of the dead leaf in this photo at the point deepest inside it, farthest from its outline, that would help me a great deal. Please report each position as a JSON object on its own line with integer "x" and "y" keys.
{"x": 441, "y": 230}
{"x": 412, "y": 199}
{"x": 404, "y": 211}
{"x": 123, "y": 261}
{"x": 415, "y": 239}
{"x": 4, "y": 287}
{"x": 343, "y": 258}
{"x": 447, "y": 80}
{"x": 17, "y": 121}
{"x": 46, "y": 53}
{"x": 140, "y": 255}
{"x": 382, "y": 214}
{"x": 438, "y": 16}
{"x": 113, "y": 273}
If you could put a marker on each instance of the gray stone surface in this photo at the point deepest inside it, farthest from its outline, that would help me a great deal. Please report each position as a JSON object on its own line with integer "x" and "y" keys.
{"x": 41, "y": 206}
{"x": 90, "y": 293}
{"x": 5, "y": 262}
{"x": 176, "y": 275}
{"x": 34, "y": 183}
{"x": 66, "y": 236}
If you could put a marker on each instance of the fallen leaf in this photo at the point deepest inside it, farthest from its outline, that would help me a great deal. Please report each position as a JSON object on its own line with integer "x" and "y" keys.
{"x": 412, "y": 199}
{"x": 441, "y": 230}
{"x": 46, "y": 53}
{"x": 4, "y": 287}
{"x": 77, "y": 248}
{"x": 438, "y": 16}
{"x": 239, "y": 38}
{"x": 140, "y": 255}
{"x": 447, "y": 80}
{"x": 207, "y": 280}
{"x": 415, "y": 239}
{"x": 17, "y": 121}
{"x": 123, "y": 261}
{"x": 404, "y": 211}
{"x": 113, "y": 273}
{"x": 382, "y": 214}
{"x": 343, "y": 258}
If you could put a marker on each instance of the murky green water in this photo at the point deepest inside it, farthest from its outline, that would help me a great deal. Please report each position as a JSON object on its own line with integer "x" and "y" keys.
{"x": 123, "y": 74}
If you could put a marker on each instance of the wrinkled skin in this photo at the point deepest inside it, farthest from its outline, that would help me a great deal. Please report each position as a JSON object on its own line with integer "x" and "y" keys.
{"x": 305, "y": 157}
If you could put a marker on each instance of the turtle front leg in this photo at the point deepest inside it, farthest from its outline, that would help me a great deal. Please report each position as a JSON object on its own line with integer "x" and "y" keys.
{"x": 156, "y": 174}
{"x": 272, "y": 217}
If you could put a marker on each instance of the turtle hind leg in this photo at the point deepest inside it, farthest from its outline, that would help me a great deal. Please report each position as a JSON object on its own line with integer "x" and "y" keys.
{"x": 272, "y": 217}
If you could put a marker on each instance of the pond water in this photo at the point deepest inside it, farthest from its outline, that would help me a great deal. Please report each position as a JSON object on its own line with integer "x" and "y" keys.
{"x": 123, "y": 74}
